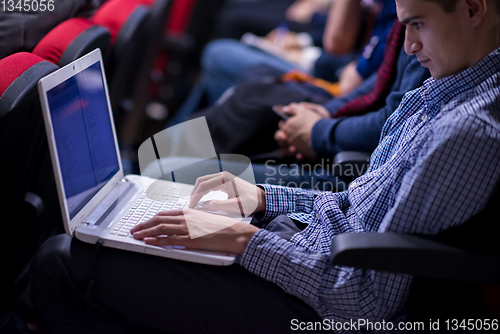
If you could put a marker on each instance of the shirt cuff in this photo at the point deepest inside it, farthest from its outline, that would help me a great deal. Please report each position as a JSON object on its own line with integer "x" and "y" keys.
{"x": 321, "y": 138}
{"x": 284, "y": 200}
{"x": 263, "y": 254}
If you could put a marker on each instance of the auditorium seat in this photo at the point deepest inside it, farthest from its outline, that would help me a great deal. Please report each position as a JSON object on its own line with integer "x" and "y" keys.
{"x": 456, "y": 273}
{"x": 23, "y": 147}
{"x": 72, "y": 39}
{"x": 133, "y": 125}
{"x": 127, "y": 21}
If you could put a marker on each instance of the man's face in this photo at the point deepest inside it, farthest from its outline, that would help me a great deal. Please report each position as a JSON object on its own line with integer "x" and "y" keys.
{"x": 440, "y": 40}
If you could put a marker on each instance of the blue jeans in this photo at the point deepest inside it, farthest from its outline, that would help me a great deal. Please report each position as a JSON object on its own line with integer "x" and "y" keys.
{"x": 224, "y": 64}
{"x": 226, "y": 61}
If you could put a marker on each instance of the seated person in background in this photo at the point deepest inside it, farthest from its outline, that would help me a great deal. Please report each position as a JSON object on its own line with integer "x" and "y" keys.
{"x": 436, "y": 166}
{"x": 226, "y": 63}
{"x": 245, "y": 124}
{"x": 260, "y": 17}
{"x": 313, "y": 137}
{"x": 22, "y": 30}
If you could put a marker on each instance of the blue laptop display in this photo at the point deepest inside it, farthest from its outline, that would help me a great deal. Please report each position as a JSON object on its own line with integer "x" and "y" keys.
{"x": 84, "y": 137}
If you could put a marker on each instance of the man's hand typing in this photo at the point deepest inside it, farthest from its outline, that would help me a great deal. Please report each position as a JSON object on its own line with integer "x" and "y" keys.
{"x": 175, "y": 227}
{"x": 198, "y": 229}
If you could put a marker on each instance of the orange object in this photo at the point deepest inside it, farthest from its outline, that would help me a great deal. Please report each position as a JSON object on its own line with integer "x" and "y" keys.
{"x": 298, "y": 76}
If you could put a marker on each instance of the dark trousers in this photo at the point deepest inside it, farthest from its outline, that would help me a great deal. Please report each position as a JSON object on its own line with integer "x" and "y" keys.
{"x": 138, "y": 293}
{"x": 245, "y": 123}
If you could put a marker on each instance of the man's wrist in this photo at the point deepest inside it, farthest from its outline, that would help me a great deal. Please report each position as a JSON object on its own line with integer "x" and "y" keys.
{"x": 244, "y": 238}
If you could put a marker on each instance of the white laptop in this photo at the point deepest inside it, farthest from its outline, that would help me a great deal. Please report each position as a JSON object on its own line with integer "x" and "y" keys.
{"x": 97, "y": 201}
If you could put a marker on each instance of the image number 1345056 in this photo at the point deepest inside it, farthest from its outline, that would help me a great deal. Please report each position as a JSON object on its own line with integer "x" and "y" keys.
{"x": 27, "y": 5}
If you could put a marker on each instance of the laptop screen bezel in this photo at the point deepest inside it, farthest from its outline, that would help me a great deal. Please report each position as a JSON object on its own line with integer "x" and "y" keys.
{"x": 44, "y": 85}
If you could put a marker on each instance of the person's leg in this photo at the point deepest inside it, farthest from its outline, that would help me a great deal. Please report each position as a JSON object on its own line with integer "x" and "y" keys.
{"x": 225, "y": 61}
{"x": 224, "y": 64}
{"x": 134, "y": 292}
{"x": 245, "y": 123}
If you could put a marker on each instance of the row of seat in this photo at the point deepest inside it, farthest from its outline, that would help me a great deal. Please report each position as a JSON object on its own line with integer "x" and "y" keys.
{"x": 128, "y": 32}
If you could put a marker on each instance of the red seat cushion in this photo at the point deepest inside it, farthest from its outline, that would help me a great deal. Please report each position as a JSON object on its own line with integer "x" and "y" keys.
{"x": 147, "y": 2}
{"x": 13, "y": 66}
{"x": 113, "y": 14}
{"x": 53, "y": 45}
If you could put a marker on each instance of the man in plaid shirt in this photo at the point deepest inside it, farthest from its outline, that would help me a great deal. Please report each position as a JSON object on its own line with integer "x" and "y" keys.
{"x": 437, "y": 165}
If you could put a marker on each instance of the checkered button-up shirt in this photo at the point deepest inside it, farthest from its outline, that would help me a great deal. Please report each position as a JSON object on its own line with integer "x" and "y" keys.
{"x": 437, "y": 165}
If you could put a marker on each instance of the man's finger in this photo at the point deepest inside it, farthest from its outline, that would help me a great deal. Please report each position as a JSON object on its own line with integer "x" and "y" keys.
{"x": 229, "y": 205}
{"x": 219, "y": 182}
{"x": 147, "y": 224}
{"x": 204, "y": 178}
{"x": 157, "y": 219}
{"x": 171, "y": 213}
{"x": 161, "y": 229}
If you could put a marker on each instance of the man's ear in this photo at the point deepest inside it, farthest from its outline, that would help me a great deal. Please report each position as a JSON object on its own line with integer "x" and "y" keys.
{"x": 477, "y": 11}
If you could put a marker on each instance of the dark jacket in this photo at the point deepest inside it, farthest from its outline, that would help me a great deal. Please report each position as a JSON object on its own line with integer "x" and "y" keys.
{"x": 362, "y": 133}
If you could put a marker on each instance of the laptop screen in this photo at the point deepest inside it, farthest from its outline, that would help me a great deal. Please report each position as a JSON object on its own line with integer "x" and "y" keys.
{"x": 83, "y": 136}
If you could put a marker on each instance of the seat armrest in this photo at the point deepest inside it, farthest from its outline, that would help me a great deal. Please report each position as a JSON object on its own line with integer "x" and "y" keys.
{"x": 408, "y": 254}
{"x": 34, "y": 204}
{"x": 351, "y": 156}
{"x": 351, "y": 164}
{"x": 23, "y": 93}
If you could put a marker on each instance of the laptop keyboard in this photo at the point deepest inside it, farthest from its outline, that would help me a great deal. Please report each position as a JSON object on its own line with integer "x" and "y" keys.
{"x": 161, "y": 197}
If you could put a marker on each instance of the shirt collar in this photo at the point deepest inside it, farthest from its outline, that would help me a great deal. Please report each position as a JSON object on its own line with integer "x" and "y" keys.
{"x": 440, "y": 92}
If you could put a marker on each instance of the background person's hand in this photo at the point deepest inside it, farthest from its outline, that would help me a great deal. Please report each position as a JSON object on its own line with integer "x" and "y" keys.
{"x": 302, "y": 10}
{"x": 195, "y": 229}
{"x": 294, "y": 135}
{"x": 290, "y": 40}
{"x": 244, "y": 198}
{"x": 283, "y": 142}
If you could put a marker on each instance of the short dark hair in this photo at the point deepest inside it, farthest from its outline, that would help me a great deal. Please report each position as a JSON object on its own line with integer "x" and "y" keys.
{"x": 447, "y": 5}
{"x": 450, "y": 5}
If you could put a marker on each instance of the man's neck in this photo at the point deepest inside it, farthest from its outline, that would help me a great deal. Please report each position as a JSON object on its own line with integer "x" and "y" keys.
{"x": 487, "y": 38}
